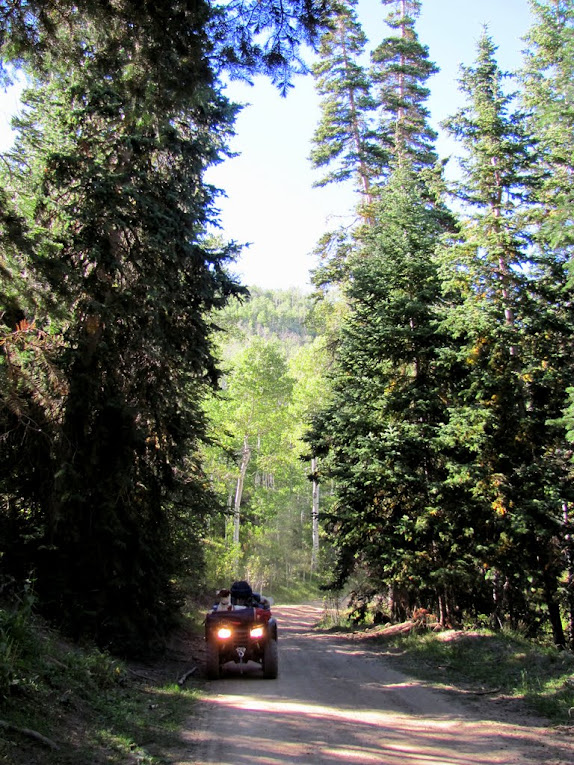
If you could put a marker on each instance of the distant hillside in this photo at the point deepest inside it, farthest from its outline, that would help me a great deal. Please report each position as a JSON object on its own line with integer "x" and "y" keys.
{"x": 282, "y": 314}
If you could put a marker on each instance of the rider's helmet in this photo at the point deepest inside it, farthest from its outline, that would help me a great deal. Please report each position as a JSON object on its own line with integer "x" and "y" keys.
{"x": 241, "y": 594}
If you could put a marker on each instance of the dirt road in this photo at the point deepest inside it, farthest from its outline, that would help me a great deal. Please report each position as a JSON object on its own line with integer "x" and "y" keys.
{"x": 335, "y": 702}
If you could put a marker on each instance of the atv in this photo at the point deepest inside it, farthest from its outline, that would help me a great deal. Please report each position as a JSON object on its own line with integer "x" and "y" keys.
{"x": 241, "y": 634}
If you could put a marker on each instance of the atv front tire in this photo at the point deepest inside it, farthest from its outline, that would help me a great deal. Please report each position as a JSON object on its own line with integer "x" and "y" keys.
{"x": 212, "y": 661}
{"x": 271, "y": 660}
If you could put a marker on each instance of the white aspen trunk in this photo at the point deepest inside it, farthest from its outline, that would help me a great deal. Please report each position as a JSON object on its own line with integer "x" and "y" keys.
{"x": 315, "y": 516}
{"x": 245, "y": 457}
{"x": 229, "y": 516}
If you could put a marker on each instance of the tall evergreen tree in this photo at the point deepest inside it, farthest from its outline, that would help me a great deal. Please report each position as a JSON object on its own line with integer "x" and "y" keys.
{"x": 124, "y": 116}
{"x": 116, "y": 185}
{"x": 403, "y": 137}
{"x": 344, "y": 134}
{"x": 547, "y": 93}
{"x": 376, "y": 435}
{"x": 501, "y": 312}
{"x": 400, "y": 69}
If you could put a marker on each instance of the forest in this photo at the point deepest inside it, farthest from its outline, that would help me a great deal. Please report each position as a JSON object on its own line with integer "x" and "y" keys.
{"x": 405, "y": 431}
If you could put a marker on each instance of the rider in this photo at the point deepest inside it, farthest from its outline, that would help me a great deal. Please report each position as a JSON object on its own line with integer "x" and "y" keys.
{"x": 243, "y": 595}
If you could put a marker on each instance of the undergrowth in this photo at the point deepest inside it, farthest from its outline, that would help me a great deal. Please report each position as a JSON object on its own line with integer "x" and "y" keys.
{"x": 295, "y": 592}
{"x": 502, "y": 663}
{"x": 65, "y": 705}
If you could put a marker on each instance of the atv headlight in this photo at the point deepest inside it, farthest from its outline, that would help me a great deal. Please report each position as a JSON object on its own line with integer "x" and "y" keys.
{"x": 257, "y": 632}
{"x": 224, "y": 633}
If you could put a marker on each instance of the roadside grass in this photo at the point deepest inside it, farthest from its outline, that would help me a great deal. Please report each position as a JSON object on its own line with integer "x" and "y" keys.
{"x": 63, "y": 705}
{"x": 295, "y": 592}
{"x": 482, "y": 661}
{"x": 502, "y": 663}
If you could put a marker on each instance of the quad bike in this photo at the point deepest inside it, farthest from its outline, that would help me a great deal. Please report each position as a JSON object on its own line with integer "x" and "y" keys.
{"x": 241, "y": 635}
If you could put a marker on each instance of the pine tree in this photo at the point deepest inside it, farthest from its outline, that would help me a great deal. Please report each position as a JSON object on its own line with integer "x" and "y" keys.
{"x": 344, "y": 134}
{"x": 396, "y": 89}
{"x": 123, "y": 117}
{"x": 500, "y": 311}
{"x": 547, "y": 79}
{"x": 376, "y": 435}
{"x": 117, "y": 187}
{"x": 400, "y": 68}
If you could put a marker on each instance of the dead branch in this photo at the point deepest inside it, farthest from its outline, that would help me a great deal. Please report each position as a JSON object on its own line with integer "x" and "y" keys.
{"x": 30, "y": 733}
{"x": 187, "y": 675}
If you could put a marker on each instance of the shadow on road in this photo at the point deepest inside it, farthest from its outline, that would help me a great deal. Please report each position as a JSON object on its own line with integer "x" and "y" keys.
{"x": 334, "y": 703}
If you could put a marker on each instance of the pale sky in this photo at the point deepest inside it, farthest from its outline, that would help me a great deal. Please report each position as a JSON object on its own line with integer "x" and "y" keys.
{"x": 270, "y": 200}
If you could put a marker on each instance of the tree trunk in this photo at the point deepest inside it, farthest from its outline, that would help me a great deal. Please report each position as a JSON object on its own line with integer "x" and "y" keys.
{"x": 228, "y": 516}
{"x": 315, "y": 516}
{"x": 550, "y": 591}
{"x": 569, "y": 575}
{"x": 499, "y": 599}
{"x": 245, "y": 457}
{"x": 362, "y": 169}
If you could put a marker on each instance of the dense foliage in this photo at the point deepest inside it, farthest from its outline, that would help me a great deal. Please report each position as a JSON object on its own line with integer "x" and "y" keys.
{"x": 109, "y": 279}
{"x": 446, "y": 432}
{"x": 140, "y": 447}
{"x": 256, "y": 459}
